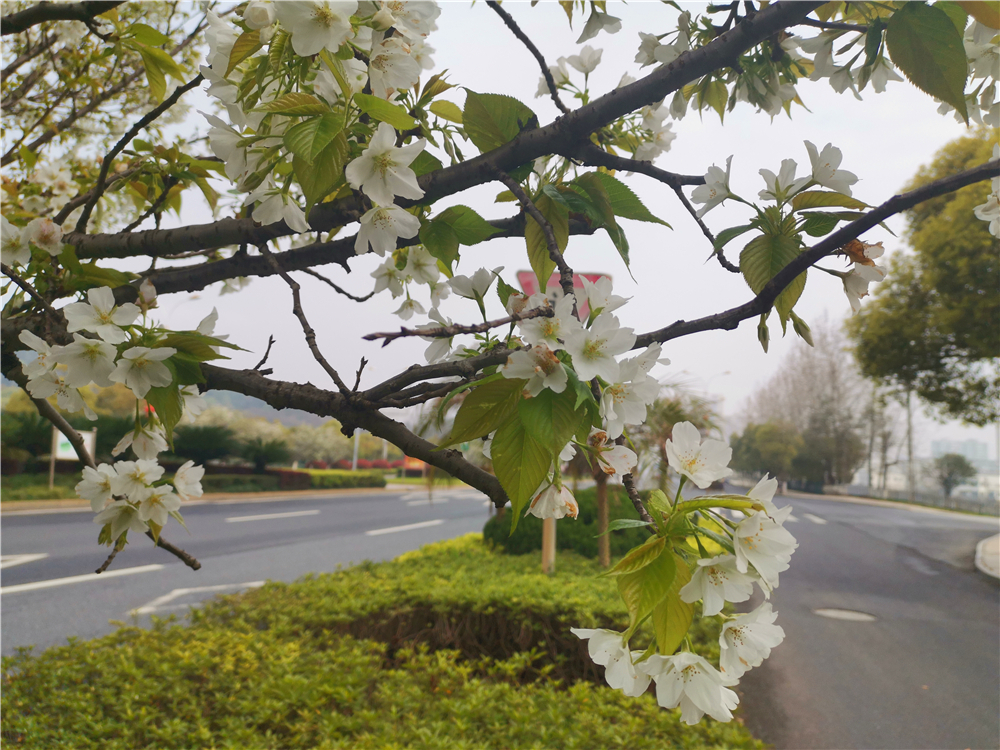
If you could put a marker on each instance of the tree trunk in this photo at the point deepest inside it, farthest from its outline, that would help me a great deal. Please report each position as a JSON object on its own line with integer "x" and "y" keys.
{"x": 603, "y": 541}
{"x": 910, "y": 480}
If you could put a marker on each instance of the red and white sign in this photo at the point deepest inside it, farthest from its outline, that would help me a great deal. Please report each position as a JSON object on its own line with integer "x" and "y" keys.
{"x": 553, "y": 290}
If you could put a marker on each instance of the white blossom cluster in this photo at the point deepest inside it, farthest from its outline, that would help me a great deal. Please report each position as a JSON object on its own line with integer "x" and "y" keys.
{"x": 16, "y": 242}
{"x": 990, "y": 211}
{"x": 124, "y": 351}
{"x": 762, "y": 548}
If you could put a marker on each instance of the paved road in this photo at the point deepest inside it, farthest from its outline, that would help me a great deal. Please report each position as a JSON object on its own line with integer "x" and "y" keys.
{"x": 238, "y": 543}
{"x": 924, "y": 673}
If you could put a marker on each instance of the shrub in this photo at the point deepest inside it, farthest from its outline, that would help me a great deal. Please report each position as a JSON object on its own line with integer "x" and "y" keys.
{"x": 317, "y": 465}
{"x": 203, "y": 443}
{"x": 239, "y": 483}
{"x": 364, "y": 463}
{"x": 381, "y": 463}
{"x": 261, "y": 452}
{"x": 332, "y": 479}
{"x": 344, "y": 464}
{"x": 398, "y": 464}
{"x": 580, "y": 535}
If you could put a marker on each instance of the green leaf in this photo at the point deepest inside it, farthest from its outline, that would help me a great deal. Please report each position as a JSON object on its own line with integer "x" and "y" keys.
{"x": 447, "y": 110}
{"x": 762, "y": 258}
{"x": 575, "y": 202}
{"x": 326, "y": 171}
{"x": 624, "y": 523}
{"x": 639, "y": 557}
{"x": 647, "y": 587}
{"x": 87, "y": 275}
{"x": 504, "y": 290}
{"x": 580, "y": 388}
{"x": 520, "y": 462}
{"x": 723, "y": 237}
{"x": 195, "y": 345}
{"x": 147, "y": 34}
{"x": 873, "y": 42}
{"x": 383, "y": 111}
{"x": 441, "y": 241}
{"x": 598, "y": 197}
{"x": 925, "y": 45}
{"x": 733, "y": 502}
{"x": 823, "y": 199}
{"x": 188, "y": 369}
{"x": 715, "y": 95}
{"x": 425, "y": 163}
{"x": 296, "y": 103}
{"x": 277, "y": 49}
{"x": 169, "y": 406}
{"x": 245, "y": 45}
{"x": 491, "y": 120}
{"x": 28, "y": 156}
{"x": 538, "y": 250}
{"x": 550, "y": 417}
{"x": 486, "y": 408}
{"x": 155, "y": 76}
{"x": 470, "y": 227}
{"x": 723, "y": 541}
{"x": 624, "y": 202}
{"x": 308, "y": 139}
{"x": 672, "y": 617}
{"x": 658, "y": 501}
{"x": 818, "y": 223}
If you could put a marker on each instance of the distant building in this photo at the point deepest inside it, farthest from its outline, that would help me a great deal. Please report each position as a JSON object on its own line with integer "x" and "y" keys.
{"x": 976, "y": 451}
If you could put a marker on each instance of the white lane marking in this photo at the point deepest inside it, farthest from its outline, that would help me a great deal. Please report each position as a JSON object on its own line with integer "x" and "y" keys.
{"x": 844, "y": 614}
{"x": 46, "y": 511}
{"x": 158, "y": 603}
{"x": 394, "y": 529}
{"x": 268, "y": 516}
{"x": 79, "y": 579}
{"x": 815, "y": 519}
{"x": 437, "y": 501}
{"x": 9, "y": 561}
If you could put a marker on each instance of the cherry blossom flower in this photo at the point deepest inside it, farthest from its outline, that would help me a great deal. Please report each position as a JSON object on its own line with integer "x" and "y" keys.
{"x": 616, "y": 460}
{"x": 194, "y": 402}
{"x": 101, "y": 315}
{"x": 825, "y": 168}
{"x": 42, "y": 363}
{"x": 97, "y": 486}
{"x": 782, "y": 186}
{"x": 882, "y": 73}
{"x": 146, "y": 442}
{"x": 142, "y": 368}
{"x": 658, "y": 144}
{"x": 421, "y": 266}
{"x": 440, "y": 346}
{"x": 383, "y": 170}
{"x": 415, "y": 18}
{"x": 701, "y": 462}
{"x": 392, "y": 67}
{"x": 539, "y": 366}
{"x": 53, "y": 384}
{"x": 763, "y": 492}
{"x": 599, "y": 297}
{"x": 132, "y": 476}
{"x": 221, "y": 36}
{"x": 716, "y": 581}
{"x": 45, "y": 234}
{"x": 765, "y": 544}
{"x": 554, "y": 502}
{"x": 855, "y": 287}
{"x": 440, "y": 290}
{"x": 408, "y": 308}
{"x": 476, "y": 287}
{"x": 14, "y": 248}
{"x": 594, "y": 349}
{"x": 317, "y": 25}
{"x": 587, "y": 61}
{"x": 259, "y": 14}
{"x": 87, "y": 360}
{"x": 147, "y": 294}
{"x": 187, "y": 480}
{"x": 549, "y": 331}
{"x": 597, "y": 23}
{"x": 624, "y": 402}
{"x": 387, "y": 276}
{"x": 715, "y": 190}
{"x": 608, "y": 649}
{"x": 355, "y": 75}
{"x": 225, "y": 143}
{"x": 990, "y": 211}
{"x": 276, "y": 205}
{"x": 382, "y": 226}
{"x": 123, "y": 516}
{"x": 746, "y": 641}
{"x": 155, "y": 503}
{"x": 560, "y": 77}
{"x": 689, "y": 681}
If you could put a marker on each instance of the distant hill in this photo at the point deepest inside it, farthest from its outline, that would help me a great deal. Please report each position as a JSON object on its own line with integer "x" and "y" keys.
{"x": 254, "y": 407}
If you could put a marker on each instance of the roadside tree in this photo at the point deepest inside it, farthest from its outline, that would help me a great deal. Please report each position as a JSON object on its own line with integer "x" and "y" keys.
{"x": 951, "y": 470}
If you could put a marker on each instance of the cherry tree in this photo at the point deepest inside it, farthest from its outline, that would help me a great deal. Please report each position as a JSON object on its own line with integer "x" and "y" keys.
{"x": 332, "y": 137}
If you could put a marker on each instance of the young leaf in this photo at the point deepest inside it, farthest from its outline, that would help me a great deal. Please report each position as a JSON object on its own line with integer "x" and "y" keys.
{"x": 484, "y": 410}
{"x": 658, "y": 501}
{"x": 504, "y": 290}
{"x": 169, "y": 407}
{"x": 147, "y": 35}
{"x": 247, "y": 43}
{"x": 762, "y": 258}
{"x": 296, "y": 103}
{"x": 733, "y": 502}
{"x": 520, "y": 463}
{"x": 325, "y": 173}
{"x": 550, "y": 417}
{"x": 987, "y": 14}
{"x": 823, "y": 199}
{"x": 187, "y": 368}
{"x": 383, "y": 111}
{"x": 308, "y": 139}
{"x": 538, "y": 250}
{"x": 818, "y": 223}
{"x": 440, "y": 240}
{"x": 925, "y": 45}
{"x": 647, "y": 587}
{"x": 195, "y": 345}
{"x": 672, "y": 617}
{"x": 723, "y": 237}
{"x": 447, "y": 111}
{"x": 639, "y": 557}
{"x": 491, "y": 120}
{"x": 624, "y": 523}
{"x": 470, "y": 227}
{"x": 596, "y": 194}
{"x": 715, "y": 95}
{"x": 624, "y": 202}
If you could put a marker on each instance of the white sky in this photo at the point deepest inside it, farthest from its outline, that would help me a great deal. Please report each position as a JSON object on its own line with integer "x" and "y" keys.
{"x": 884, "y": 140}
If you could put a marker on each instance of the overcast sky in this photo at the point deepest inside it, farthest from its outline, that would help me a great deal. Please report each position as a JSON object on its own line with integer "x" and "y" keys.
{"x": 884, "y": 139}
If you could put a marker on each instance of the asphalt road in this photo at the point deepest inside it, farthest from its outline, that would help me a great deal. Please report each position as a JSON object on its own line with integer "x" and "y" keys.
{"x": 924, "y": 672}
{"x": 239, "y": 544}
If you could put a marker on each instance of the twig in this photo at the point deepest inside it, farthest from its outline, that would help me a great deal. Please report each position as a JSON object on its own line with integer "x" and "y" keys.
{"x": 81, "y": 199}
{"x": 149, "y": 117}
{"x": 337, "y": 288}
{"x": 31, "y": 54}
{"x": 833, "y": 25}
{"x": 633, "y": 495}
{"x": 270, "y": 343}
{"x": 15, "y": 23}
{"x": 8, "y": 271}
{"x": 107, "y": 563}
{"x": 444, "y": 332}
{"x": 307, "y": 329}
{"x": 168, "y": 185}
{"x": 593, "y": 156}
{"x": 706, "y": 231}
{"x": 565, "y": 272}
{"x": 357, "y": 380}
{"x": 549, "y": 80}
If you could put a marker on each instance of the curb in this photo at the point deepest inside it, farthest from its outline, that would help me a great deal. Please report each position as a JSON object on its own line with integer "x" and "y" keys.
{"x": 988, "y": 556}
{"x": 899, "y": 504}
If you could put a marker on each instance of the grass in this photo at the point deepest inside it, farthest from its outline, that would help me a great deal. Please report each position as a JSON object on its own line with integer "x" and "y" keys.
{"x": 36, "y": 487}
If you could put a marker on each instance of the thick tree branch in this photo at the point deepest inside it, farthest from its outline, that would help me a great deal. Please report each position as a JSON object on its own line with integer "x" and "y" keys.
{"x": 546, "y": 73}
{"x": 567, "y": 132}
{"x": 445, "y": 332}
{"x": 15, "y": 23}
{"x": 633, "y": 495}
{"x": 760, "y": 304}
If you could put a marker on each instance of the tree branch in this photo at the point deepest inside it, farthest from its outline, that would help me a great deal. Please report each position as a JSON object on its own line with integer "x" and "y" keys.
{"x": 594, "y": 156}
{"x": 30, "y": 290}
{"x": 549, "y": 80}
{"x": 833, "y": 25}
{"x": 444, "y": 332}
{"x": 337, "y": 288}
{"x": 706, "y": 231}
{"x": 633, "y": 495}
{"x": 43, "y": 12}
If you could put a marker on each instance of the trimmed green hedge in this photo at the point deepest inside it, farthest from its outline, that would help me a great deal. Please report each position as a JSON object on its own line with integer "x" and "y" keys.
{"x": 465, "y": 648}
{"x": 578, "y": 535}
{"x": 239, "y": 483}
{"x": 338, "y": 478}
{"x": 36, "y": 487}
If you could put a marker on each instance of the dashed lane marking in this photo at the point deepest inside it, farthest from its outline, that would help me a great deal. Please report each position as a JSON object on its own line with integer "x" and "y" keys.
{"x": 815, "y": 519}
{"x": 52, "y": 582}
{"x": 407, "y": 527}
{"x": 269, "y": 516}
{"x": 9, "y": 561}
{"x": 434, "y": 501}
{"x": 161, "y": 603}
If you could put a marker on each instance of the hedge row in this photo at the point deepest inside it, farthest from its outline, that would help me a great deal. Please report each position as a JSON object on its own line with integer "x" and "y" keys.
{"x": 464, "y": 648}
